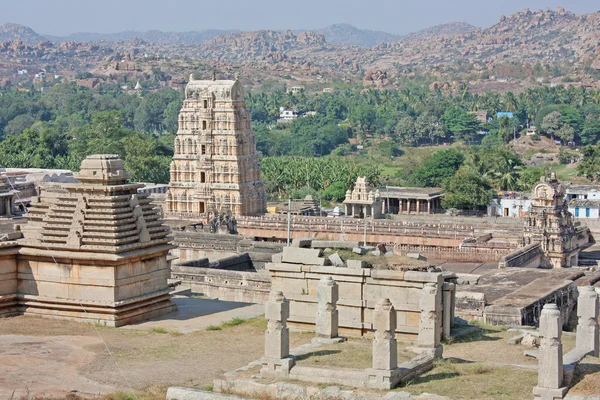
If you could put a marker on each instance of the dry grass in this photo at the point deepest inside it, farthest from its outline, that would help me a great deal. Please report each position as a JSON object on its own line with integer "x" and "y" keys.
{"x": 354, "y": 353}
{"x": 467, "y": 380}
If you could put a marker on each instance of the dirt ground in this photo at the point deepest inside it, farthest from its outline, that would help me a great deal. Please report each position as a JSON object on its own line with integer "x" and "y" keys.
{"x": 42, "y": 357}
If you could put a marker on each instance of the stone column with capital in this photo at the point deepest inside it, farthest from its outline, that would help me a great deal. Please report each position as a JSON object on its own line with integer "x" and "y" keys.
{"x": 327, "y": 313}
{"x": 429, "y": 338}
{"x": 385, "y": 348}
{"x": 550, "y": 359}
{"x": 277, "y": 360}
{"x": 587, "y": 324}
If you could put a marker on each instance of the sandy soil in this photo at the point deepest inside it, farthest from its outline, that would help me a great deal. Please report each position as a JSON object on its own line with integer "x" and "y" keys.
{"x": 53, "y": 358}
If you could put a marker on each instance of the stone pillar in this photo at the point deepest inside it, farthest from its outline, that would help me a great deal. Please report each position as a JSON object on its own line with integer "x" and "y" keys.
{"x": 327, "y": 313}
{"x": 448, "y": 313}
{"x": 385, "y": 348}
{"x": 277, "y": 360}
{"x": 429, "y": 324}
{"x": 550, "y": 359}
{"x": 587, "y": 325}
{"x": 428, "y": 206}
{"x": 408, "y": 201}
{"x": 400, "y": 206}
{"x": 418, "y": 206}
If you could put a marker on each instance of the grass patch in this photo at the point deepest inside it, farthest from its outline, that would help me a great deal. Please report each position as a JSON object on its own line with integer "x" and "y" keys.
{"x": 175, "y": 333}
{"x": 208, "y": 388}
{"x": 468, "y": 380}
{"x": 235, "y": 321}
{"x": 214, "y": 328}
{"x": 159, "y": 330}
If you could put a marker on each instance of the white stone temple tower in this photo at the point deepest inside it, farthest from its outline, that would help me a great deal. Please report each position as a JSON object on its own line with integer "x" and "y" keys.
{"x": 215, "y": 166}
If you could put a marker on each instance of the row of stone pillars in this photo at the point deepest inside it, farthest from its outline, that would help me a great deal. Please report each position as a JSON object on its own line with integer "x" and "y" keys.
{"x": 551, "y": 385}
{"x": 277, "y": 360}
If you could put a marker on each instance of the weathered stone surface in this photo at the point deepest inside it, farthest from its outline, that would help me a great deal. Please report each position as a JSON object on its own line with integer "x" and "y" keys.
{"x": 277, "y": 258}
{"x": 529, "y": 340}
{"x": 385, "y": 348}
{"x": 302, "y": 242}
{"x": 359, "y": 250}
{"x": 550, "y": 366}
{"x": 429, "y": 324}
{"x": 327, "y": 313}
{"x": 515, "y": 339}
{"x": 295, "y": 255}
{"x": 277, "y": 360}
{"x": 357, "y": 264}
{"x": 333, "y": 244}
{"x": 336, "y": 260}
{"x": 587, "y": 324}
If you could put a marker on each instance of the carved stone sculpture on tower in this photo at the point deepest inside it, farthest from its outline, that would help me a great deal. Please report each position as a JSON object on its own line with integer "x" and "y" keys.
{"x": 215, "y": 164}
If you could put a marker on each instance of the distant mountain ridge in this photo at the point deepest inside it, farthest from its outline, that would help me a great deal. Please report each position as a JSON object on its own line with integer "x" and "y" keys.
{"x": 345, "y": 34}
{"x": 449, "y": 29}
{"x": 11, "y": 31}
{"x": 154, "y": 36}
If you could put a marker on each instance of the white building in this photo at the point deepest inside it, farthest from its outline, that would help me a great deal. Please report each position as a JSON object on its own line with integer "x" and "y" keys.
{"x": 509, "y": 206}
{"x": 584, "y": 208}
{"x": 287, "y": 115}
{"x": 582, "y": 192}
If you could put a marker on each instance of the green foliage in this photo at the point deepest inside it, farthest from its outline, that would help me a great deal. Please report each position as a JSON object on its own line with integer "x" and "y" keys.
{"x": 467, "y": 190}
{"x": 462, "y": 124}
{"x": 529, "y": 177}
{"x": 285, "y": 175}
{"x": 590, "y": 164}
{"x": 336, "y": 192}
{"x": 438, "y": 168}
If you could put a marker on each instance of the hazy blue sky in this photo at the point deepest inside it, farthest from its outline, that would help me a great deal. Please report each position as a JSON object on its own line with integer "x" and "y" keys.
{"x": 61, "y": 17}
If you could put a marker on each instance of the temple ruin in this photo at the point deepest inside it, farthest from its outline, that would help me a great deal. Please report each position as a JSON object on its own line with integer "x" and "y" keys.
{"x": 93, "y": 251}
{"x": 215, "y": 167}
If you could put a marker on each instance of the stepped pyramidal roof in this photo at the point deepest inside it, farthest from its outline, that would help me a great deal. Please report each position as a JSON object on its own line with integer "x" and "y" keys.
{"x": 102, "y": 213}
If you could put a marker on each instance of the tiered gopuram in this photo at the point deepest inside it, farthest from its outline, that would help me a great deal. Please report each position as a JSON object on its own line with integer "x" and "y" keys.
{"x": 215, "y": 167}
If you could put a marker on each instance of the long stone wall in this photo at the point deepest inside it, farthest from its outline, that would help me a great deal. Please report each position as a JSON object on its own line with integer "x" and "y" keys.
{"x": 527, "y": 257}
{"x": 238, "y": 286}
{"x": 359, "y": 290}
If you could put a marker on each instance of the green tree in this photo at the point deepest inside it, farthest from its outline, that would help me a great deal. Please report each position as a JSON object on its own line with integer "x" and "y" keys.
{"x": 462, "y": 124}
{"x": 590, "y": 164}
{"x": 467, "y": 190}
{"x": 438, "y": 168}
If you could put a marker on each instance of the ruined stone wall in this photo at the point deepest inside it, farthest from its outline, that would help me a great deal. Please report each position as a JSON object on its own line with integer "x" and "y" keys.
{"x": 238, "y": 286}
{"x": 359, "y": 290}
{"x": 527, "y": 257}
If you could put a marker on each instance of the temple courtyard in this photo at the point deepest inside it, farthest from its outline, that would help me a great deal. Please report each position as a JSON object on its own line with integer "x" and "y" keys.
{"x": 62, "y": 359}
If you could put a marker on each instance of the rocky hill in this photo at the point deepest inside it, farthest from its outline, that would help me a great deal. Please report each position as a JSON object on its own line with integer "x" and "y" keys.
{"x": 15, "y": 31}
{"x": 345, "y": 34}
{"x": 192, "y": 37}
{"x": 450, "y": 29}
{"x": 260, "y": 44}
{"x": 524, "y": 49}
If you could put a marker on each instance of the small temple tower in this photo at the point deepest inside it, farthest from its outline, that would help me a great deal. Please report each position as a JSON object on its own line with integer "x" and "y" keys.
{"x": 94, "y": 251}
{"x": 215, "y": 167}
{"x": 550, "y": 224}
{"x": 362, "y": 201}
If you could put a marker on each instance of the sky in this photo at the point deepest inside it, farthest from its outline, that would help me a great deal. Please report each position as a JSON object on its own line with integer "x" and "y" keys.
{"x": 61, "y": 17}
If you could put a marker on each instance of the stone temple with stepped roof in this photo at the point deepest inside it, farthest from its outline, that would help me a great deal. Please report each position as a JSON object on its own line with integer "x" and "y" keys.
{"x": 215, "y": 167}
{"x": 92, "y": 251}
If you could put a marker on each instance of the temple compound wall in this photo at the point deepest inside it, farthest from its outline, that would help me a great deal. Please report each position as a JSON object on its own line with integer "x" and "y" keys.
{"x": 94, "y": 251}
{"x": 215, "y": 167}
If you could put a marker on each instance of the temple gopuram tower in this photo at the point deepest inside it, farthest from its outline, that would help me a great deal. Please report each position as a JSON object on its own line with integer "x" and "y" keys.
{"x": 215, "y": 167}
{"x": 94, "y": 251}
{"x": 551, "y": 224}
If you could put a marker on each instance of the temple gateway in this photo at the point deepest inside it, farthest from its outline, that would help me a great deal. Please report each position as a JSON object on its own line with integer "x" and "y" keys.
{"x": 215, "y": 167}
